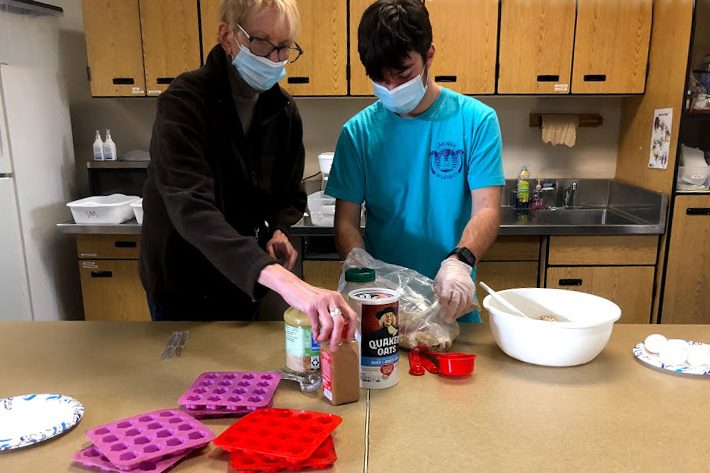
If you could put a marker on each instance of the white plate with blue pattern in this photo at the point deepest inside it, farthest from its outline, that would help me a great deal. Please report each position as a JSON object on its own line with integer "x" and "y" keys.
{"x": 654, "y": 360}
{"x": 33, "y": 418}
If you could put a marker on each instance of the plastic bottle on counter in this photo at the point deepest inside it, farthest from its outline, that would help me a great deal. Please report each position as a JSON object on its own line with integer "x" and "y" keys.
{"x": 109, "y": 148}
{"x": 341, "y": 371}
{"x": 98, "y": 147}
{"x": 523, "y": 187}
{"x": 302, "y": 351}
{"x": 537, "y": 200}
{"x": 357, "y": 278}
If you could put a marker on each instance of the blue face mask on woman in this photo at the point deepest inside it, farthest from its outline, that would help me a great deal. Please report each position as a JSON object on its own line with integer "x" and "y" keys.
{"x": 403, "y": 98}
{"x": 260, "y": 73}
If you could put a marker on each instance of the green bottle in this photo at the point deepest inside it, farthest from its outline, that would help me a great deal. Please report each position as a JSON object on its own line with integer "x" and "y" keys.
{"x": 523, "y": 186}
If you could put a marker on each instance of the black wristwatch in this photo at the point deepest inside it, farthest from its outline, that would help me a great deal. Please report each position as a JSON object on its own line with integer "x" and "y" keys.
{"x": 465, "y": 255}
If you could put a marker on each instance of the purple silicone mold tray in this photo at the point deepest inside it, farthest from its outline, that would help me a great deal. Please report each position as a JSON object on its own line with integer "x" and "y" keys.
{"x": 129, "y": 442}
{"x": 93, "y": 458}
{"x": 222, "y": 412}
{"x": 231, "y": 390}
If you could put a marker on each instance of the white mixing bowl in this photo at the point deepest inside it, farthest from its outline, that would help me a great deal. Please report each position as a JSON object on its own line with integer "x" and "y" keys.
{"x": 591, "y": 319}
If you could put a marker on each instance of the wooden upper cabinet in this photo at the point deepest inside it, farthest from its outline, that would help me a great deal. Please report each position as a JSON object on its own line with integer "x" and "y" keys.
{"x": 465, "y": 37}
{"x": 113, "y": 44}
{"x": 171, "y": 43}
{"x": 611, "y": 46}
{"x": 536, "y": 42}
{"x": 360, "y": 84}
{"x": 322, "y": 69}
{"x": 209, "y": 24}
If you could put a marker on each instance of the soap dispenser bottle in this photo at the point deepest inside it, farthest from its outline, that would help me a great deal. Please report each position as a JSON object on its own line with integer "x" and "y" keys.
{"x": 109, "y": 148}
{"x": 98, "y": 147}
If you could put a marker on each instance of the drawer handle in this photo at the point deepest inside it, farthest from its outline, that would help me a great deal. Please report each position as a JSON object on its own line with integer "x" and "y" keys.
{"x": 445, "y": 78}
{"x": 299, "y": 80}
{"x": 570, "y": 282}
{"x": 595, "y": 78}
{"x": 697, "y": 211}
{"x": 102, "y": 274}
{"x": 123, "y": 81}
{"x": 164, "y": 80}
{"x": 125, "y": 244}
{"x": 548, "y": 78}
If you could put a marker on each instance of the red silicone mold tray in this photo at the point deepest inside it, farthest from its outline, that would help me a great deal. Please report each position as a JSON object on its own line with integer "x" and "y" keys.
{"x": 323, "y": 457}
{"x": 93, "y": 458}
{"x": 231, "y": 390}
{"x": 291, "y": 434}
{"x": 146, "y": 437}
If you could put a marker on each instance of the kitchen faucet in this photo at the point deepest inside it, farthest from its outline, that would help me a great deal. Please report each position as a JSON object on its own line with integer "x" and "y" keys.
{"x": 568, "y": 195}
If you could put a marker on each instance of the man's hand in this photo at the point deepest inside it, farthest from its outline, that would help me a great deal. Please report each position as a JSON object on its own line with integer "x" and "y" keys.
{"x": 455, "y": 289}
{"x": 281, "y": 249}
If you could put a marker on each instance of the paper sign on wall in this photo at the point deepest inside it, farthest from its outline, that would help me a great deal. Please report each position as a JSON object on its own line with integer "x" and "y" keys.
{"x": 661, "y": 138}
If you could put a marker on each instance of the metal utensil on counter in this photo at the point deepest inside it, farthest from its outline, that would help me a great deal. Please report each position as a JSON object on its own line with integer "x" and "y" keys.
{"x": 175, "y": 344}
{"x": 309, "y": 382}
{"x": 513, "y": 309}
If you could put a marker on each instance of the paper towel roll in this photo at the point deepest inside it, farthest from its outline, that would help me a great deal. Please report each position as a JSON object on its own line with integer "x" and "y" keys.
{"x": 559, "y": 129}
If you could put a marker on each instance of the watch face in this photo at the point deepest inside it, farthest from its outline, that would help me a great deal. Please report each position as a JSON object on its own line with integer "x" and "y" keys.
{"x": 466, "y": 256}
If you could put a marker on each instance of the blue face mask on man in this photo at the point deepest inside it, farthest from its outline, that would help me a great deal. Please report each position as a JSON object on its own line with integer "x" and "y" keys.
{"x": 403, "y": 98}
{"x": 260, "y": 73}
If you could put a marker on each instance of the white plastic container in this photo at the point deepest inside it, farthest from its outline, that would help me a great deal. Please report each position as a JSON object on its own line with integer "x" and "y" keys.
{"x": 98, "y": 147}
{"x": 591, "y": 320}
{"x": 325, "y": 161}
{"x": 109, "y": 209}
{"x": 322, "y": 209}
{"x": 109, "y": 148}
{"x": 137, "y": 206}
{"x": 694, "y": 175}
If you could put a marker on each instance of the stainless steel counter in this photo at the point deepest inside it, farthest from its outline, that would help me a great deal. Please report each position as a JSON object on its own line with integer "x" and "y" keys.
{"x": 601, "y": 207}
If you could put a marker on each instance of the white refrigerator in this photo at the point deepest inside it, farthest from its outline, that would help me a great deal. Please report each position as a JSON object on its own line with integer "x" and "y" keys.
{"x": 37, "y": 265}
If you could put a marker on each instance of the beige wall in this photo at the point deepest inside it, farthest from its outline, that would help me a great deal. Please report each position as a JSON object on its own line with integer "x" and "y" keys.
{"x": 131, "y": 119}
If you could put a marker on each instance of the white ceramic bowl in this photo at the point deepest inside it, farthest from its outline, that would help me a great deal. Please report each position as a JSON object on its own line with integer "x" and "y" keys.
{"x": 591, "y": 319}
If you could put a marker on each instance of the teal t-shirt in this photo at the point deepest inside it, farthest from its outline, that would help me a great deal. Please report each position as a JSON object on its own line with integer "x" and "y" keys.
{"x": 416, "y": 175}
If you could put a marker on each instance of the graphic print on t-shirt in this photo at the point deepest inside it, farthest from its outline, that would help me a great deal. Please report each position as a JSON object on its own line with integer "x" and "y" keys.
{"x": 446, "y": 162}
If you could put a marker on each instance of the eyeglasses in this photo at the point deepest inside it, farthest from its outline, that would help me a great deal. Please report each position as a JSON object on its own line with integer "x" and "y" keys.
{"x": 264, "y": 48}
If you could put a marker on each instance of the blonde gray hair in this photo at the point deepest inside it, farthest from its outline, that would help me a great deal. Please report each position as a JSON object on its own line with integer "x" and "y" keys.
{"x": 234, "y": 12}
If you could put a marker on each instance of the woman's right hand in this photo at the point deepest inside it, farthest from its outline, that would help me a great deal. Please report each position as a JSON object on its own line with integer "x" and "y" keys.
{"x": 326, "y": 310}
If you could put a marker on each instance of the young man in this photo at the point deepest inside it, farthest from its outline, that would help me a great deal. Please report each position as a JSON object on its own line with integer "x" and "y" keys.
{"x": 425, "y": 160}
{"x": 224, "y": 183}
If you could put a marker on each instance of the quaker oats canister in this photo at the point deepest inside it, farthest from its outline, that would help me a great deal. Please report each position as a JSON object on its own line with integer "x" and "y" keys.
{"x": 378, "y": 312}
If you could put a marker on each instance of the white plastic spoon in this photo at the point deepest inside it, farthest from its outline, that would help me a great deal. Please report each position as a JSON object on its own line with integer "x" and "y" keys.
{"x": 511, "y": 307}
{"x": 500, "y": 299}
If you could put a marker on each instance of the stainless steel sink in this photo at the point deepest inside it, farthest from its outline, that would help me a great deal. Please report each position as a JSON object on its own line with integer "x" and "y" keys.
{"x": 566, "y": 216}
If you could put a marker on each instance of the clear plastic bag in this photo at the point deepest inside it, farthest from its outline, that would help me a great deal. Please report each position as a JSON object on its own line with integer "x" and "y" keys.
{"x": 419, "y": 320}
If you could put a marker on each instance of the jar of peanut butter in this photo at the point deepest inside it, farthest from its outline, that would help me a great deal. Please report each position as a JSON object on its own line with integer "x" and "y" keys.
{"x": 302, "y": 351}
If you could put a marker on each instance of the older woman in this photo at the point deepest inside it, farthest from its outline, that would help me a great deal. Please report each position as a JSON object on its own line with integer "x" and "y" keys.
{"x": 224, "y": 184}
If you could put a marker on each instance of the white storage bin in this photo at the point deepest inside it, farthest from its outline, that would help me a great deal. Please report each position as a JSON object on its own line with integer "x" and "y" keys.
{"x": 693, "y": 176}
{"x": 108, "y": 209}
{"x": 322, "y": 209}
{"x": 137, "y": 206}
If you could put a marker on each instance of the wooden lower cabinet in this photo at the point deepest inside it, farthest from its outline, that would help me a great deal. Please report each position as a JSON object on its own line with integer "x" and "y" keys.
{"x": 686, "y": 296}
{"x": 325, "y": 274}
{"x": 505, "y": 275}
{"x": 630, "y": 287}
{"x": 112, "y": 290}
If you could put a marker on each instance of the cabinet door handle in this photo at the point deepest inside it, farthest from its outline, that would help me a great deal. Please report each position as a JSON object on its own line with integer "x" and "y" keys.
{"x": 102, "y": 274}
{"x": 445, "y": 78}
{"x": 125, "y": 244}
{"x": 123, "y": 81}
{"x": 570, "y": 282}
{"x": 164, "y": 80}
{"x": 697, "y": 211}
{"x": 595, "y": 78}
{"x": 299, "y": 80}
{"x": 548, "y": 78}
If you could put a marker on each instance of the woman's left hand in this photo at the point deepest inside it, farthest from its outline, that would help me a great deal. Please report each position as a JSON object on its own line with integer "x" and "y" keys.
{"x": 281, "y": 249}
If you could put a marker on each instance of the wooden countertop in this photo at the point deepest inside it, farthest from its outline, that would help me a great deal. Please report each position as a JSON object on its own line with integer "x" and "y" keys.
{"x": 613, "y": 414}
